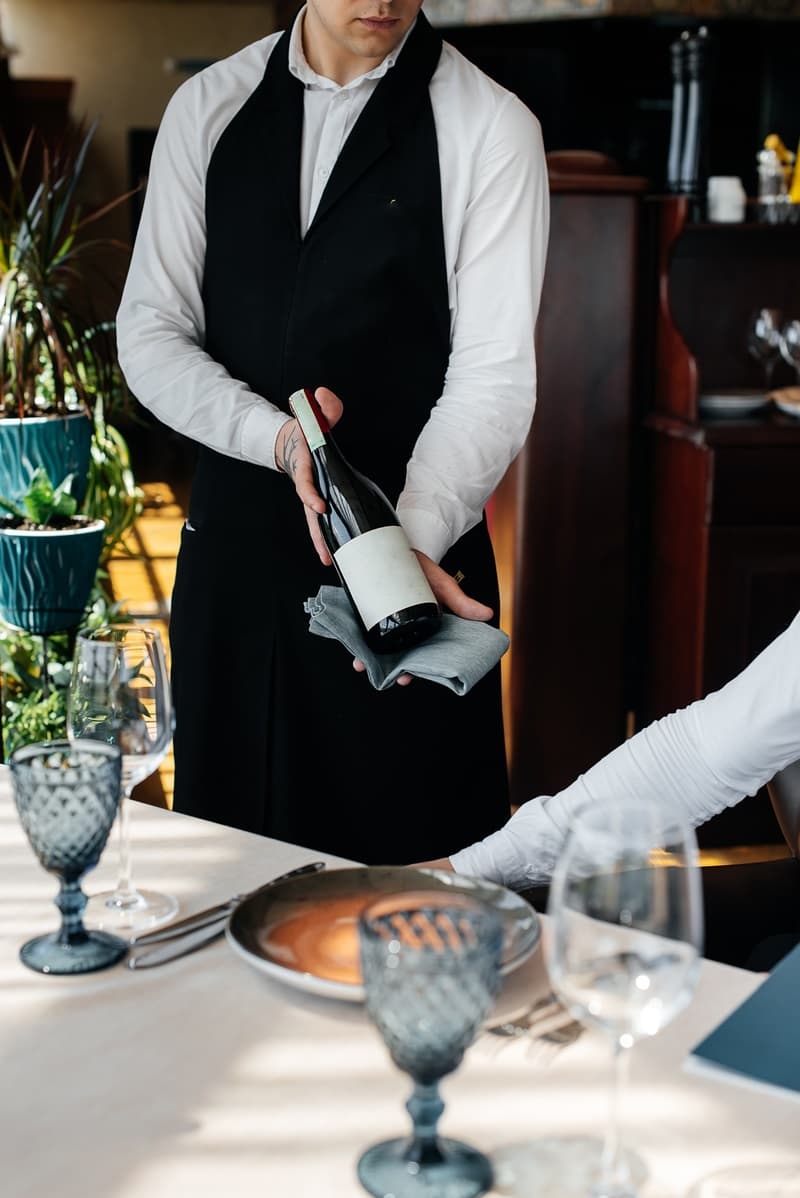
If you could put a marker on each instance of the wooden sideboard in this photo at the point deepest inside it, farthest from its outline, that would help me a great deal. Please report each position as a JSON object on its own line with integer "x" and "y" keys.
{"x": 647, "y": 552}
{"x": 561, "y": 516}
{"x": 723, "y": 555}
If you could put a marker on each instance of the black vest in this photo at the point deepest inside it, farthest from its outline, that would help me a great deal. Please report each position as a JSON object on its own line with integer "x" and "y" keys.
{"x": 359, "y": 304}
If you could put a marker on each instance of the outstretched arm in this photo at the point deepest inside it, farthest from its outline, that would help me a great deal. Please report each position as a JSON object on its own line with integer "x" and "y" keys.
{"x": 704, "y": 758}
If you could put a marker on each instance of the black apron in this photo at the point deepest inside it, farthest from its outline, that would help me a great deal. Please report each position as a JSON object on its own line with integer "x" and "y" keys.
{"x": 275, "y": 732}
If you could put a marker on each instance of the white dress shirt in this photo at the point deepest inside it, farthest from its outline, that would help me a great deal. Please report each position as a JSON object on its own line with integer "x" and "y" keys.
{"x": 495, "y": 218}
{"x": 703, "y": 758}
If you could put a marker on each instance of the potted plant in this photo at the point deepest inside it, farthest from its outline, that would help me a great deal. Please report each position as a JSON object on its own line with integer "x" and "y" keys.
{"x": 53, "y": 352}
{"x": 48, "y": 557}
{"x": 59, "y": 384}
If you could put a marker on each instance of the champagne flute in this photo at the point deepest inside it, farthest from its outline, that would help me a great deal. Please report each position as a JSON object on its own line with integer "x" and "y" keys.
{"x": 764, "y": 340}
{"x": 119, "y": 693}
{"x": 623, "y": 953}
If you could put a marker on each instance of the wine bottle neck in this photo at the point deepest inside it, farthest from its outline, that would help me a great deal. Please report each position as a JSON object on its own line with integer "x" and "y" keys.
{"x": 309, "y": 416}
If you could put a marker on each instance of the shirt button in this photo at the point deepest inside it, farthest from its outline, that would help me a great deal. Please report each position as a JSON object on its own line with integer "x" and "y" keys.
{"x": 323, "y": 172}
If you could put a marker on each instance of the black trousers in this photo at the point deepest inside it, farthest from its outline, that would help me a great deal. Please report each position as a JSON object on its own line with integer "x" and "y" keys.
{"x": 752, "y": 912}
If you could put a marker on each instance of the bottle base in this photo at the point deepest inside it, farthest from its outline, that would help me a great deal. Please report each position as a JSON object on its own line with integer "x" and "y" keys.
{"x": 399, "y": 637}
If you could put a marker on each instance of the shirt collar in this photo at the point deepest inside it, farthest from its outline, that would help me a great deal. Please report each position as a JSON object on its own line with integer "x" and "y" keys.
{"x": 298, "y": 64}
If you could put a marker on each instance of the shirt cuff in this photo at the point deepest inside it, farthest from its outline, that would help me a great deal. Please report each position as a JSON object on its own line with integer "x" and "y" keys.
{"x": 259, "y": 431}
{"x": 495, "y": 859}
{"x": 426, "y": 532}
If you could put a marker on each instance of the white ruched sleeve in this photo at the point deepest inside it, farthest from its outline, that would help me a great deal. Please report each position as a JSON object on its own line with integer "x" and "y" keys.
{"x": 704, "y": 758}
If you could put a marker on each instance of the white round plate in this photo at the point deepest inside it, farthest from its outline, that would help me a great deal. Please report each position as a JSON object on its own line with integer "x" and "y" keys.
{"x": 303, "y": 931}
{"x": 733, "y": 404}
{"x": 791, "y": 409}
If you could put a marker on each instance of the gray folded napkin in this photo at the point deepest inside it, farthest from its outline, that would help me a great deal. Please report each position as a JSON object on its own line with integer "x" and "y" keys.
{"x": 457, "y": 656}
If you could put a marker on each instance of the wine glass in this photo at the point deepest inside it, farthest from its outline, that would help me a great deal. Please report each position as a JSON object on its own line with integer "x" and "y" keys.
{"x": 431, "y": 969}
{"x": 764, "y": 340}
{"x": 623, "y": 953}
{"x": 790, "y": 345}
{"x": 67, "y": 797}
{"x": 119, "y": 693}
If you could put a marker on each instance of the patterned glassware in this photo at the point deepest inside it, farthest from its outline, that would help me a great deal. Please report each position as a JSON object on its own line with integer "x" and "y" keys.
{"x": 431, "y": 969}
{"x": 67, "y": 797}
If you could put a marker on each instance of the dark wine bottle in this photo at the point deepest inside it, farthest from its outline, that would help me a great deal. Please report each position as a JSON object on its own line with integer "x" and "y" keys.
{"x": 378, "y": 568}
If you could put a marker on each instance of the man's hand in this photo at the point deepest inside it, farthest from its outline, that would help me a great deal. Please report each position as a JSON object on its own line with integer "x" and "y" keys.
{"x": 449, "y": 595}
{"x": 441, "y": 863}
{"x": 293, "y": 457}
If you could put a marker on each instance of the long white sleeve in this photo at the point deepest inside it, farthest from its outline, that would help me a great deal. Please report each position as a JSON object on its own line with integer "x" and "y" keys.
{"x": 496, "y": 231}
{"x": 161, "y": 321}
{"x": 704, "y": 758}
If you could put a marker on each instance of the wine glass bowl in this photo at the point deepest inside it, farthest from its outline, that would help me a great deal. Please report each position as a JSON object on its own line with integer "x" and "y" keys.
{"x": 67, "y": 797}
{"x": 790, "y": 346}
{"x": 119, "y": 694}
{"x": 431, "y": 971}
{"x": 764, "y": 340}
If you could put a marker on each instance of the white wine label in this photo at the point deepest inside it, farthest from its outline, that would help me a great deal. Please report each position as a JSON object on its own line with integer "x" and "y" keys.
{"x": 382, "y": 573}
{"x": 307, "y": 420}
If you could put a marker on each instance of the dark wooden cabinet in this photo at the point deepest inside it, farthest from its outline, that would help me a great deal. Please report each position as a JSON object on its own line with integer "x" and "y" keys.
{"x": 560, "y": 519}
{"x": 723, "y": 560}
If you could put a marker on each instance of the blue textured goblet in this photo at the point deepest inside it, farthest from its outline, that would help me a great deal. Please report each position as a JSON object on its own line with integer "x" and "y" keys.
{"x": 431, "y": 969}
{"x": 67, "y": 797}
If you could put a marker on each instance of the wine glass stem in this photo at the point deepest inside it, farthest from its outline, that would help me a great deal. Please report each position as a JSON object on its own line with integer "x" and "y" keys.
{"x": 425, "y": 1108}
{"x": 769, "y": 370}
{"x": 614, "y": 1180}
{"x": 70, "y": 901}
{"x": 126, "y": 891}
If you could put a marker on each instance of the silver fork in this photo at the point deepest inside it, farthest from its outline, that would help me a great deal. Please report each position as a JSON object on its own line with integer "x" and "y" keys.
{"x": 545, "y": 1024}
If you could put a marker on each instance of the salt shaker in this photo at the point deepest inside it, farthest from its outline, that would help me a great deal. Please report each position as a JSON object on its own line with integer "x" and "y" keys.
{"x": 726, "y": 199}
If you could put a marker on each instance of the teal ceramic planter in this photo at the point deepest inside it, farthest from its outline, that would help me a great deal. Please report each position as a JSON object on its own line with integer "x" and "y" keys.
{"x": 46, "y": 576}
{"x": 61, "y": 444}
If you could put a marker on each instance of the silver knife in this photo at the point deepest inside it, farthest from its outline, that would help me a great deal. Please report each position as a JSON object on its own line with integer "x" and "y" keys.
{"x": 212, "y": 915}
{"x": 170, "y": 950}
{"x": 197, "y": 936}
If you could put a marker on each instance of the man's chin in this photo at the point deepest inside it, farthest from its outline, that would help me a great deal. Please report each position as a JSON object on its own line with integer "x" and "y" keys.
{"x": 376, "y": 43}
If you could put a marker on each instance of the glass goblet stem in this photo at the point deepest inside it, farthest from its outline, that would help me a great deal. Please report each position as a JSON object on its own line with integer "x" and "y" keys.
{"x": 71, "y": 901}
{"x": 425, "y": 1107}
{"x": 125, "y": 894}
{"x": 614, "y": 1180}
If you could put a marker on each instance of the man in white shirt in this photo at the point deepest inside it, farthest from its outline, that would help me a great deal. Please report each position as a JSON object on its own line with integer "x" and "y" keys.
{"x": 349, "y": 205}
{"x": 703, "y": 758}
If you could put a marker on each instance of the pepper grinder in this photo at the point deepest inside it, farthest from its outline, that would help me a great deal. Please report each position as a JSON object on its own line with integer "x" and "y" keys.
{"x": 694, "y": 168}
{"x": 677, "y": 53}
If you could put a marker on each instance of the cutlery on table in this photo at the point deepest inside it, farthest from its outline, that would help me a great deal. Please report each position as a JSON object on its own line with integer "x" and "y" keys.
{"x": 171, "y": 950}
{"x": 545, "y": 1024}
{"x": 209, "y": 915}
{"x": 211, "y": 923}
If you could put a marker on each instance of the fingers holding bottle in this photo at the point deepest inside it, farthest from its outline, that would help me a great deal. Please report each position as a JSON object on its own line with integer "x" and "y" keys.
{"x": 449, "y": 593}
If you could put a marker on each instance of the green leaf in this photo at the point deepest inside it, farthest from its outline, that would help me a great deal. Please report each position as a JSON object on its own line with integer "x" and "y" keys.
{"x": 40, "y": 496}
{"x": 64, "y": 502}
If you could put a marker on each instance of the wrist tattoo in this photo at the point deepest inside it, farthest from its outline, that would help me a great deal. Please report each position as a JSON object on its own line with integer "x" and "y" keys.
{"x": 288, "y": 455}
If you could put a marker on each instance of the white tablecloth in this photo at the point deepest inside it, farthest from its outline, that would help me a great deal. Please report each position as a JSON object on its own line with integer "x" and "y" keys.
{"x": 204, "y": 1078}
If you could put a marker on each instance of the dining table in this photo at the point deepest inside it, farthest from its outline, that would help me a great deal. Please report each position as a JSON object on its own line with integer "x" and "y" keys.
{"x": 206, "y": 1078}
